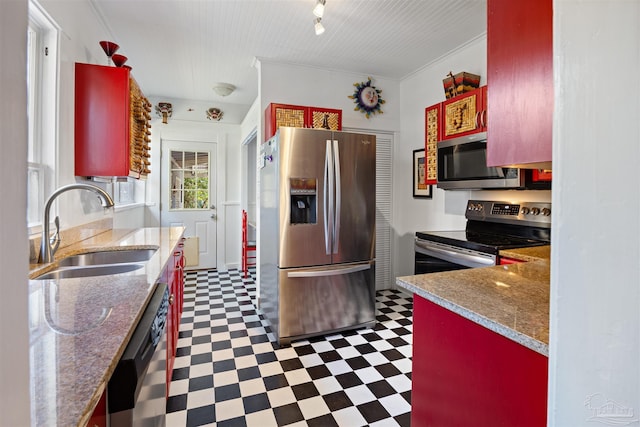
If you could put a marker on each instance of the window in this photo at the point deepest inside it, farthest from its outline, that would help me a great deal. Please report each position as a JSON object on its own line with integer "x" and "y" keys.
{"x": 189, "y": 180}
{"x": 42, "y": 66}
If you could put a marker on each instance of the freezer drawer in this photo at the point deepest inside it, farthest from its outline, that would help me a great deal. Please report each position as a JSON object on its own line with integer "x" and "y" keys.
{"x": 320, "y": 300}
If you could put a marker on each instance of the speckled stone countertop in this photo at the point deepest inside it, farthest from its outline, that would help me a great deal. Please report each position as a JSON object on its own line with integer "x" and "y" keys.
{"x": 80, "y": 327}
{"x": 535, "y": 253}
{"x": 511, "y": 300}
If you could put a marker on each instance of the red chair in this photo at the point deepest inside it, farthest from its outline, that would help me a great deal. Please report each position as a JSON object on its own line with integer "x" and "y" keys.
{"x": 248, "y": 247}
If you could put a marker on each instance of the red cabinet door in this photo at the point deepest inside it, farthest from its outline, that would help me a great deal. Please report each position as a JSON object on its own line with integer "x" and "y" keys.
{"x": 178, "y": 259}
{"x": 505, "y": 261}
{"x": 112, "y": 130}
{"x": 520, "y": 82}
{"x": 276, "y": 115}
{"x": 464, "y": 114}
{"x": 466, "y": 375}
{"x": 99, "y": 414}
{"x": 174, "y": 273}
{"x": 324, "y": 118}
{"x": 173, "y": 320}
{"x": 432, "y": 134}
{"x": 101, "y": 120}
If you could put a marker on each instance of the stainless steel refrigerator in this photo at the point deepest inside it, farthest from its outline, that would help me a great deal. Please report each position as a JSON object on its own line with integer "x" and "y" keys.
{"x": 317, "y": 232}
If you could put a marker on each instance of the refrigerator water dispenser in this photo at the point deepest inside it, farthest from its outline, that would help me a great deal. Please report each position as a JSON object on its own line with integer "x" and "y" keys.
{"x": 303, "y": 200}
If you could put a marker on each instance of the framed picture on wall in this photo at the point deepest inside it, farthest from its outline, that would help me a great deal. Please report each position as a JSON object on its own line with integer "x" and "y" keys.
{"x": 420, "y": 189}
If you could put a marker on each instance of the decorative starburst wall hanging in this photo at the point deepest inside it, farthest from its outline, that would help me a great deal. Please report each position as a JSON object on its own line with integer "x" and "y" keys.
{"x": 367, "y": 98}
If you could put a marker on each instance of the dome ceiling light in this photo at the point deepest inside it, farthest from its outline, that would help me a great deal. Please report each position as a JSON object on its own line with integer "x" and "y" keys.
{"x": 224, "y": 89}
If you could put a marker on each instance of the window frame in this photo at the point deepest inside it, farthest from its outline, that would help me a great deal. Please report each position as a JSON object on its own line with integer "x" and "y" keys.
{"x": 43, "y": 100}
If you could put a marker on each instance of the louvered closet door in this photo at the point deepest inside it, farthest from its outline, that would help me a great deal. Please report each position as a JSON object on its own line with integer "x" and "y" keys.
{"x": 384, "y": 169}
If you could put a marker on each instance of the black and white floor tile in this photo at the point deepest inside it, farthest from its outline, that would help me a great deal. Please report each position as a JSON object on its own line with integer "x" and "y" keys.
{"x": 229, "y": 371}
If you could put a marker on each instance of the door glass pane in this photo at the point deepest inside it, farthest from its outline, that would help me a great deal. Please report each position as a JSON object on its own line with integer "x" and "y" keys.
{"x": 189, "y": 180}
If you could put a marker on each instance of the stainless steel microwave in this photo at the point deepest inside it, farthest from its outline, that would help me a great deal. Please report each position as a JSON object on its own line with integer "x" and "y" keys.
{"x": 462, "y": 165}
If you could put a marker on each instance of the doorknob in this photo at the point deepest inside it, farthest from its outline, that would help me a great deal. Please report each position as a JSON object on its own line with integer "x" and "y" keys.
{"x": 213, "y": 216}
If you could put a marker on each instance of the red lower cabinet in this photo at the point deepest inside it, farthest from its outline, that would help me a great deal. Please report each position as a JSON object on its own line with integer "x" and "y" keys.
{"x": 504, "y": 261}
{"x": 466, "y": 375}
{"x": 99, "y": 415}
{"x": 175, "y": 276}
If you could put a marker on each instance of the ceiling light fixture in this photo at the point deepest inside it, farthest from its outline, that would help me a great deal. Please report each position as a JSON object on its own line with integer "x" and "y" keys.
{"x": 164, "y": 110}
{"x": 214, "y": 114}
{"x": 318, "y": 10}
{"x": 224, "y": 89}
{"x": 319, "y": 27}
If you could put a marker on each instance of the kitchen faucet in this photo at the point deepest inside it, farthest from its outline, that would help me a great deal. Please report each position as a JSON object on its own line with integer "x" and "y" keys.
{"x": 49, "y": 244}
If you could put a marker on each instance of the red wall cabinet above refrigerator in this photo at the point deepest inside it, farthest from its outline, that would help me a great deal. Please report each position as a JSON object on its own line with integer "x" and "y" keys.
{"x": 298, "y": 116}
{"x": 112, "y": 130}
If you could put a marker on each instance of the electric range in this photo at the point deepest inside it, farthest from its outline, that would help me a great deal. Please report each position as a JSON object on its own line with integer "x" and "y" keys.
{"x": 491, "y": 226}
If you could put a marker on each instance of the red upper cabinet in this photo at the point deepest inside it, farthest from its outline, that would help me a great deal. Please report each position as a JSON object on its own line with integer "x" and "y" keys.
{"x": 324, "y": 118}
{"x": 464, "y": 114}
{"x": 276, "y": 115}
{"x": 112, "y": 130}
{"x": 432, "y": 134}
{"x": 520, "y": 82}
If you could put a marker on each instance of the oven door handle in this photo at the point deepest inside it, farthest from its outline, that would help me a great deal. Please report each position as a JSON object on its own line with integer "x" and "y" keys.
{"x": 461, "y": 258}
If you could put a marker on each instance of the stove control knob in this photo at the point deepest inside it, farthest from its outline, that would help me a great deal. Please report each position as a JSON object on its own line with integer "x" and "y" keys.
{"x": 525, "y": 211}
{"x": 535, "y": 211}
{"x": 546, "y": 211}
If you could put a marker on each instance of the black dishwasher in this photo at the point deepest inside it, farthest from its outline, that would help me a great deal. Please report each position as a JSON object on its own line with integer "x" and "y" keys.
{"x": 136, "y": 392}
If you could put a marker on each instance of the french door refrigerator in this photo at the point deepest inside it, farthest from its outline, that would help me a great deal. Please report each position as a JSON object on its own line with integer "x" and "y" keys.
{"x": 317, "y": 232}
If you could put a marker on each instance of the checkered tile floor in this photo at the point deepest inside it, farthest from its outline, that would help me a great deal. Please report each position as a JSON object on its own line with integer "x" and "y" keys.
{"x": 229, "y": 372}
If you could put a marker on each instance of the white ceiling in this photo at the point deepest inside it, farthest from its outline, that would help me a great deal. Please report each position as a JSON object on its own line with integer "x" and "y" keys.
{"x": 181, "y": 48}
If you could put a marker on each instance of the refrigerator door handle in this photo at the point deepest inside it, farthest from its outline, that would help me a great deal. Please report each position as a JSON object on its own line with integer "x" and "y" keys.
{"x": 328, "y": 197}
{"x": 336, "y": 225}
{"x": 330, "y": 272}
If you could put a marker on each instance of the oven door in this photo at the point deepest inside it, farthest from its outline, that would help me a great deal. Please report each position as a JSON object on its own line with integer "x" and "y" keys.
{"x": 433, "y": 257}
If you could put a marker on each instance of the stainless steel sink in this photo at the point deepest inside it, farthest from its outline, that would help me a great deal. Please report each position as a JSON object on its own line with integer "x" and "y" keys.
{"x": 108, "y": 257}
{"x": 91, "y": 271}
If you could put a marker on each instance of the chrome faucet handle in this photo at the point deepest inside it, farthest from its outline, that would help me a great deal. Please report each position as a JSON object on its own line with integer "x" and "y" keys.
{"x": 54, "y": 241}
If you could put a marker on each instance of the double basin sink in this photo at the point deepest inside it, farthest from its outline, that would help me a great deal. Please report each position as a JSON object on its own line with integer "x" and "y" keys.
{"x": 99, "y": 263}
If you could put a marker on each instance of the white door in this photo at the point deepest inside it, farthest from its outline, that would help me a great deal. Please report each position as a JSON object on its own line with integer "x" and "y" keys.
{"x": 188, "y": 197}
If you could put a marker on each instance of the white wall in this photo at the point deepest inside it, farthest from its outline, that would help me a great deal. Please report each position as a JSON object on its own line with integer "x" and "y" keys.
{"x": 445, "y": 211}
{"x": 228, "y": 188}
{"x": 81, "y": 28}
{"x": 595, "y": 270}
{"x": 314, "y": 87}
{"x": 14, "y": 332}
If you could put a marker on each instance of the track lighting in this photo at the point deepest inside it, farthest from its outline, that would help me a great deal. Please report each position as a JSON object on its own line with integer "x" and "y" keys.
{"x": 318, "y": 10}
{"x": 319, "y": 27}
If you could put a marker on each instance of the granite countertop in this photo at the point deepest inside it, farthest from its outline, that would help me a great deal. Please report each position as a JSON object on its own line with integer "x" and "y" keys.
{"x": 79, "y": 327}
{"x": 511, "y": 300}
{"x": 535, "y": 253}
